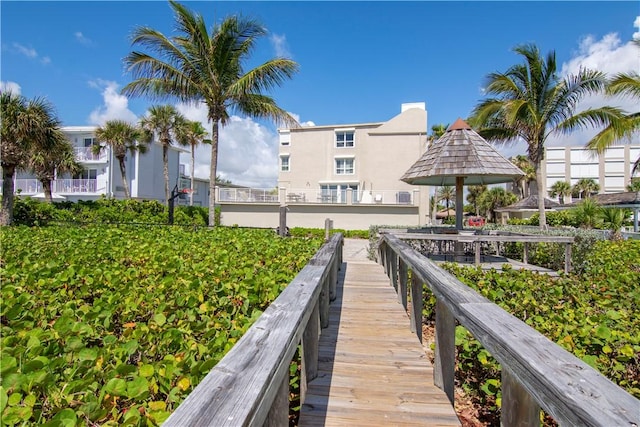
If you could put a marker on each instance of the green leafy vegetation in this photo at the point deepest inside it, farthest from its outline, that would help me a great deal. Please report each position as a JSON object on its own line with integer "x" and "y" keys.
{"x": 592, "y": 315}
{"x": 116, "y": 325}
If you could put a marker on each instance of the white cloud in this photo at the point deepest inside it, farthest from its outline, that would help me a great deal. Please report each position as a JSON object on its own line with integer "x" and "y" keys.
{"x": 303, "y": 124}
{"x": 45, "y": 60}
{"x": 279, "y": 43}
{"x": 82, "y": 39}
{"x": 12, "y": 87}
{"x": 636, "y": 23}
{"x": 29, "y": 52}
{"x": 247, "y": 150}
{"x": 115, "y": 105}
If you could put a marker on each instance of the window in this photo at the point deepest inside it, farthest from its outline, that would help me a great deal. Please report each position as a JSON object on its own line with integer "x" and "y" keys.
{"x": 337, "y": 193}
{"x": 284, "y": 163}
{"x": 344, "y": 139}
{"x": 285, "y": 137}
{"x": 344, "y": 166}
{"x": 86, "y": 174}
{"x": 90, "y": 142}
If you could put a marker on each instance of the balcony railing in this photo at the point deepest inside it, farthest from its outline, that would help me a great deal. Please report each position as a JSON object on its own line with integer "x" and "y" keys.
{"x": 345, "y": 197}
{"x": 85, "y": 154}
{"x": 65, "y": 186}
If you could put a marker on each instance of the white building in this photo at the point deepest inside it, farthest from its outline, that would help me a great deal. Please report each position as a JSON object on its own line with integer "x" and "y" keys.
{"x": 611, "y": 170}
{"x": 101, "y": 176}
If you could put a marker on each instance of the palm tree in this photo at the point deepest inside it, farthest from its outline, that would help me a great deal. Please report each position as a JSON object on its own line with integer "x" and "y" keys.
{"x": 447, "y": 193}
{"x": 619, "y": 129}
{"x": 560, "y": 189}
{"x": 57, "y": 159}
{"x": 634, "y": 185}
{"x": 192, "y": 134}
{"x": 614, "y": 219}
{"x": 585, "y": 187}
{"x": 474, "y": 193}
{"x": 529, "y": 170}
{"x": 27, "y": 127}
{"x": 195, "y": 66}
{"x": 122, "y": 137}
{"x": 163, "y": 122}
{"x": 587, "y": 213}
{"x": 531, "y": 102}
{"x": 493, "y": 199}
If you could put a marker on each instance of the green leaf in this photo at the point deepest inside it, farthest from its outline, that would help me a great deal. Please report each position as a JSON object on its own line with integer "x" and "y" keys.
{"x": 116, "y": 387}
{"x": 65, "y": 418}
{"x": 88, "y": 354}
{"x": 7, "y": 363}
{"x": 137, "y": 387}
{"x": 160, "y": 319}
{"x": 603, "y": 332}
{"x": 4, "y": 399}
{"x": 146, "y": 370}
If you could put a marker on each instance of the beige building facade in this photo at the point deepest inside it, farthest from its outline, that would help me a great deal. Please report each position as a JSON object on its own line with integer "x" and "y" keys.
{"x": 355, "y": 164}
{"x": 611, "y": 170}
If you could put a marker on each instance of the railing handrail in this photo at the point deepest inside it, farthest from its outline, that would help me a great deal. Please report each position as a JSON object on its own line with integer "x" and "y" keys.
{"x": 247, "y": 386}
{"x": 541, "y": 371}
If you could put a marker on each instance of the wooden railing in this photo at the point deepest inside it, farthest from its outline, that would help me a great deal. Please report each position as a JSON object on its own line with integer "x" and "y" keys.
{"x": 536, "y": 372}
{"x": 250, "y": 385}
{"x": 477, "y": 240}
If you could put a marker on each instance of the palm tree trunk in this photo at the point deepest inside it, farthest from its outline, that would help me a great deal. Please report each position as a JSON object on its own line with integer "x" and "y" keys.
{"x": 541, "y": 194}
{"x": 212, "y": 172}
{"x": 123, "y": 172}
{"x": 6, "y": 216}
{"x": 165, "y": 167}
{"x": 46, "y": 187}
{"x": 193, "y": 170}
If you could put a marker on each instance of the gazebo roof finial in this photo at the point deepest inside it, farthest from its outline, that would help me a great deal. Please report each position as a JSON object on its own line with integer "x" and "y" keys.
{"x": 459, "y": 124}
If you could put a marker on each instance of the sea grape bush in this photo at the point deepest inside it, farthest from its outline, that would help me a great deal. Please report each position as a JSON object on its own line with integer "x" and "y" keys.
{"x": 116, "y": 325}
{"x": 592, "y": 315}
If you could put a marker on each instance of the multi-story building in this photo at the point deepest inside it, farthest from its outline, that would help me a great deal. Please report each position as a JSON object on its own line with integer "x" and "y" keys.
{"x": 355, "y": 163}
{"x": 101, "y": 176}
{"x": 611, "y": 170}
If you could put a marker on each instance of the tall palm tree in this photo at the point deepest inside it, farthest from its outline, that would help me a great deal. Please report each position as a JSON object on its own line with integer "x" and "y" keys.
{"x": 27, "y": 126}
{"x": 58, "y": 158}
{"x": 195, "y": 66}
{"x": 560, "y": 189}
{"x": 163, "y": 122}
{"x": 474, "y": 193}
{"x": 585, "y": 187}
{"x": 447, "y": 193}
{"x": 530, "y": 102}
{"x": 122, "y": 137}
{"x": 619, "y": 129}
{"x": 193, "y": 134}
{"x": 529, "y": 176}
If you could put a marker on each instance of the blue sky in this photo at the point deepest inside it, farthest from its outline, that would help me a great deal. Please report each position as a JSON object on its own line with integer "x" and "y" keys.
{"x": 358, "y": 60}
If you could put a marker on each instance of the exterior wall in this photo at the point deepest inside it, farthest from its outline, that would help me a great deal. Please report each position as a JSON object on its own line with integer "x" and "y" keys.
{"x": 611, "y": 170}
{"x": 381, "y": 154}
{"x": 354, "y": 217}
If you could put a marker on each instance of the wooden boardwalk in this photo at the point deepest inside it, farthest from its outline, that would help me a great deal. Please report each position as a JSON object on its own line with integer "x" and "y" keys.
{"x": 372, "y": 370}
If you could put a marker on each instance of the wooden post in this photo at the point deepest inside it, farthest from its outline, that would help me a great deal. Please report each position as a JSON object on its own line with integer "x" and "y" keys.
{"x": 402, "y": 288}
{"x": 567, "y": 258}
{"x": 278, "y": 415}
{"x": 328, "y": 226}
{"x": 333, "y": 279}
{"x": 445, "y": 358}
{"x": 518, "y": 407}
{"x": 310, "y": 336}
{"x": 416, "y": 306}
{"x": 477, "y": 246}
{"x": 525, "y": 253}
{"x": 324, "y": 303}
{"x": 282, "y": 229}
{"x": 394, "y": 271}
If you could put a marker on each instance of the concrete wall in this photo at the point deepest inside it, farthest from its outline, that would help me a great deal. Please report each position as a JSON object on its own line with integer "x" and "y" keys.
{"x": 354, "y": 217}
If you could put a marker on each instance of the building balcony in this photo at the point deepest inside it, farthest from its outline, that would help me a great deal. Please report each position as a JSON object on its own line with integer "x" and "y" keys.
{"x": 85, "y": 154}
{"x": 33, "y": 186}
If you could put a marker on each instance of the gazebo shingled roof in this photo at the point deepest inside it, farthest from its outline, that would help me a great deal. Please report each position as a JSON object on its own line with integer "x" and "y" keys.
{"x": 530, "y": 202}
{"x": 461, "y": 152}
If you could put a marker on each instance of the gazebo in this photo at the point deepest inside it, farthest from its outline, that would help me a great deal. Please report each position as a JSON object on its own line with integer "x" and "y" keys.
{"x": 461, "y": 157}
{"x": 628, "y": 200}
{"x": 526, "y": 207}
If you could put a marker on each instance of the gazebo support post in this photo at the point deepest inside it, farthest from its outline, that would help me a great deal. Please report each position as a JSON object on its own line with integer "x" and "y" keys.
{"x": 635, "y": 220}
{"x": 459, "y": 201}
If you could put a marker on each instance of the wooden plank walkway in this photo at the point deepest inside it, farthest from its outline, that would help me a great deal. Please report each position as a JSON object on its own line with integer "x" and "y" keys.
{"x": 372, "y": 370}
